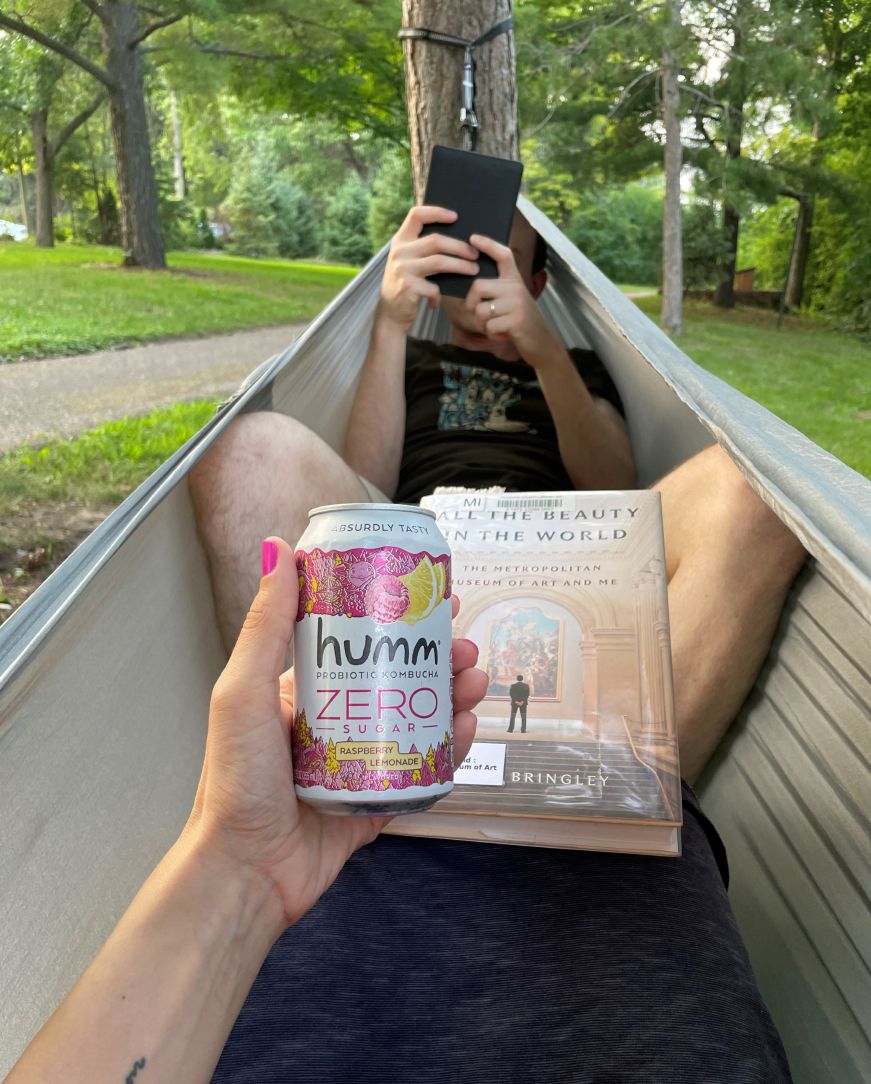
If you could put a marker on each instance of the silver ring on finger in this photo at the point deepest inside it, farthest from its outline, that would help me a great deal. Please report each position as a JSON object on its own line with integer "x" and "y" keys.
{"x": 492, "y": 308}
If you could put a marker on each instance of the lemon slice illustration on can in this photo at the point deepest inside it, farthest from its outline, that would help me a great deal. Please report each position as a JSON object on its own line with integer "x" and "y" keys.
{"x": 423, "y": 590}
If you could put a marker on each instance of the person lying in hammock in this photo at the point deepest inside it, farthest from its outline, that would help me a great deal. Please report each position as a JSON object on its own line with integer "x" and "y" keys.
{"x": 389, "y": 960}
{"x": 432, "y": 960}
{"x": 504, "y": 403}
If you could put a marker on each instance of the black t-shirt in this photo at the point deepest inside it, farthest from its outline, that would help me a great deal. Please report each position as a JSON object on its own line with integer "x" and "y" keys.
{"x": 473, "y": 420}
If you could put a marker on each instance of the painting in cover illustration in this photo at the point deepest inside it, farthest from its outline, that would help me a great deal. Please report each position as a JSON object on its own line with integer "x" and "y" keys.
{"x": 565, "y": 595}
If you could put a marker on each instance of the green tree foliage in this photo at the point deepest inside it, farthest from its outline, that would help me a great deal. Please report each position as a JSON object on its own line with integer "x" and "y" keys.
{"x": 704, "y": 247}
{"x": 294, "y": 128}
{"x": 342, "y": 62}
{"x": 346, "y": 223}
{"x": 295, "y": 223}
{"x": 766, "y": 243}
{"x": 268, "y": 213}
{"x": 392, "y": 195}
{"x": 620, "y": 230}
{"x": 45, "y": 101}
{"x": 249, "y": 210}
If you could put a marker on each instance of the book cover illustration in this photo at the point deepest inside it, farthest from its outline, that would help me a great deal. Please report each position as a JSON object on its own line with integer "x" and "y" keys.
{"x": 565, "y": 595}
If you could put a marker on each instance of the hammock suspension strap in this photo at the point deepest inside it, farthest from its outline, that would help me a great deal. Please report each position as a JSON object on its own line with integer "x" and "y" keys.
{"x": 468, "y": 117}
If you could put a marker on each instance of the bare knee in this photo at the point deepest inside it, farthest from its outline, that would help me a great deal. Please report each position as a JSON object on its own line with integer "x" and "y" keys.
{"x": 249, "y": 438}
{"x": 254, "y": 447}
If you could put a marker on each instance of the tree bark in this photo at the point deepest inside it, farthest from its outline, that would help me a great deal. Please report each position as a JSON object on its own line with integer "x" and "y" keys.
{"x": 177, "y": 153}
{"x": 141, "y": 236}
{"x": 433, "y": 77}
{"x": 26, "y": 213}
{"x": 800, "y": 251}
{"x": 672, "y": 245}
{"x": 44, "y": 179}
{"x": 724, "y": 295}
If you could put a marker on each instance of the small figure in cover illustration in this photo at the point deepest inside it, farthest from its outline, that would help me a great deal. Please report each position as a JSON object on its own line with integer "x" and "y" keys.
{"x": 519, "y": 693}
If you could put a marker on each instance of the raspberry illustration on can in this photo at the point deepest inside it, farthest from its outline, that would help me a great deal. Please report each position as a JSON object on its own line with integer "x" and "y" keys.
{"x": 372, "y": 731}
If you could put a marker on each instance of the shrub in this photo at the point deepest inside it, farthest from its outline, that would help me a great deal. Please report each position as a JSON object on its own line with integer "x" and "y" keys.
{"x": 296, "y": 231}
{"x": 346, "y": 223}
{"x": 621, "y": 232}
{"x": 704, "y": 248}
{"x": 249, "y": 209}
{"x": 392, "y": 195}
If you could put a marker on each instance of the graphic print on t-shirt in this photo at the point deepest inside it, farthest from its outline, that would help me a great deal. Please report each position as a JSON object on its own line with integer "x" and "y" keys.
{"x": 479, "y": 399}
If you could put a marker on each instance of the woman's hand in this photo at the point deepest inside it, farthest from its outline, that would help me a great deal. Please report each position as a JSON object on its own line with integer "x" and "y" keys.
{"x": 246, "y": 810}
{"x": 163, "y": 992}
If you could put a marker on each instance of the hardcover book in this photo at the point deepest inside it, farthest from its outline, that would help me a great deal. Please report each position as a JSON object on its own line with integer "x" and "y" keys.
{"x": 565, "y": 596}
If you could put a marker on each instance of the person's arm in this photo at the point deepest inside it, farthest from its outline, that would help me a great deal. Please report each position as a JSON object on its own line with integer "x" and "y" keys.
{"x": 159, "y": 1000}
{"x": 593, "y": 441}
{"x": 376, "y": 427}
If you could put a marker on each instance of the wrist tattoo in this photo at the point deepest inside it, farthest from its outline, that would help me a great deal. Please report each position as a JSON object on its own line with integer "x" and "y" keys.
{"x": 134, "y": 1072}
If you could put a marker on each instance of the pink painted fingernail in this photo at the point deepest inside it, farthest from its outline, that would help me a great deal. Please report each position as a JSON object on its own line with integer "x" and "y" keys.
{"x": 268, "y": 556}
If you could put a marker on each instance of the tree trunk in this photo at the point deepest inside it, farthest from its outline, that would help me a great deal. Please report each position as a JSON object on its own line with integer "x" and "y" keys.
{"x": 141, "y": 237}
{"x": 672, "y": 246}
{"x": 433, "y": 80}
{"x": 177, "y": 155}
{"x": 44, "y": 179}
{"x": 724, "y": 295}
{"x": 26, "y": 214}
{"x": 801, "y": 245}
{"x": 801, "y": 248}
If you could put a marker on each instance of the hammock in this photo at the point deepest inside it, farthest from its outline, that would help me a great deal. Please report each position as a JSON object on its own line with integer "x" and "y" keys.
{"x": 105, "y": 676}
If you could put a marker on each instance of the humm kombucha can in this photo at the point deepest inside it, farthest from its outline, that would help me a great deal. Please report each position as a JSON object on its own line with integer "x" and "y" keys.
{"x": 372, "y": 731}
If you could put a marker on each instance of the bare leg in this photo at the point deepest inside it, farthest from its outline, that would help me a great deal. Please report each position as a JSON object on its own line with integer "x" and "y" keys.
{"x": 730, "y": 564}
{"x": 260, "y": 479}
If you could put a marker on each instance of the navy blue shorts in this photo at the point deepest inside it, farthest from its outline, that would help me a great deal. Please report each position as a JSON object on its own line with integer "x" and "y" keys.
{"x": 439, "y": 961}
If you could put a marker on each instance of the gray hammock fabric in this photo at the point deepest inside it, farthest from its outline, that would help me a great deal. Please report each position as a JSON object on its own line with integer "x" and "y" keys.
{"x": 105, "y": 675}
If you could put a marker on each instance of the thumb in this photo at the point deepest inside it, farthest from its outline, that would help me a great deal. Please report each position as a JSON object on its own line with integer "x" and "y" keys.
{"x": 258, "y": 659}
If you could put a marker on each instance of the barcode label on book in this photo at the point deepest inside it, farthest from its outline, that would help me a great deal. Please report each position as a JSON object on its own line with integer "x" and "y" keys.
{"x": 529, "y": 502}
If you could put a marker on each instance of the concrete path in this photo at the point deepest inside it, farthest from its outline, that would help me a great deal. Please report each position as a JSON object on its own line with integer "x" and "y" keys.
{"x": 59, "y": 397}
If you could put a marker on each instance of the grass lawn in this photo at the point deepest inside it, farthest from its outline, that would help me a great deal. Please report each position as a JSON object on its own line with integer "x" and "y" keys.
{"x": 75, "y": 298}
{"x": 101, "y": 465}
{"x": 813, "y": 378}
{"x": 51, "y": 497}
{"x": 628, "y": 288}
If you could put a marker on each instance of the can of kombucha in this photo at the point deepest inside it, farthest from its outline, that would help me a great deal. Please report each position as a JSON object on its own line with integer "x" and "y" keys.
{"x": 372, "y": 731}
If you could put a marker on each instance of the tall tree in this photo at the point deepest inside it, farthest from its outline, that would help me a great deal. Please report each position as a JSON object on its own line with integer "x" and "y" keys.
{"x": 434, "y": 72}
{"x": 672, "y": 248}
{"x": 178, "y": 173}
{"x": 121, "y": 74}
{"x": 737, "y": 101}
{"x": 33, "y": 82}
{"x": 46, "y": 149}
{"x": 14, "y": 155}
{"x": 839, "y": 45}
{"x": 735, "y": 91}
{"x": 13, "y": 133}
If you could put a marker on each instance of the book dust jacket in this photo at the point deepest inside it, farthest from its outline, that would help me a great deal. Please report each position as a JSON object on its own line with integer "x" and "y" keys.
{"x": 565, "y": 596}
